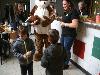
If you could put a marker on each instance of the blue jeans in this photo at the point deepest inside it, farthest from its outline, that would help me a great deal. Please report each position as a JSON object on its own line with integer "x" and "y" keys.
{"x": 66, "y": 42}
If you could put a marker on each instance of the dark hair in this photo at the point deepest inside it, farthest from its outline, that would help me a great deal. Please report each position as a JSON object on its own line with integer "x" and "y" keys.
{"x": 54, "y": 34}
{"x": 24, "y": 32}
{"x": 70, "y": 2}
{"x": 16, "y": 7}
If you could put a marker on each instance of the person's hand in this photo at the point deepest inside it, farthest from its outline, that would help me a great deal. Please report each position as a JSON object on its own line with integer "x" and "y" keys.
{"x": 20, "y": 22}
{"x": 58, "y": 18}
{"x": 62, "y": 24}
{"x": 25, "y": 57}
{"x": 34, "y": 23}
{"x": 28, "y": 54}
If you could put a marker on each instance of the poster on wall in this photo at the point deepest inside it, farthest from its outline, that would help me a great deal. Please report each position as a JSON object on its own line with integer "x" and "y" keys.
{"x": 96, "y": 48}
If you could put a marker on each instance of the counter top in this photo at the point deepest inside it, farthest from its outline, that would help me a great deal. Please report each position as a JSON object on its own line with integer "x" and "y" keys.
{"x": 92, "y": 25}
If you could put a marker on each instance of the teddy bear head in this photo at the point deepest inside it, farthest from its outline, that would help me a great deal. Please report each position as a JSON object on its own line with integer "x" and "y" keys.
{"x": 41, "y": 10}
{"x": 42, "y": 3}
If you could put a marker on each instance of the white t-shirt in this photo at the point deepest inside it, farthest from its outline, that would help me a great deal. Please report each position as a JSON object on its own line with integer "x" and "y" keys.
{"x": 56, "y": 25}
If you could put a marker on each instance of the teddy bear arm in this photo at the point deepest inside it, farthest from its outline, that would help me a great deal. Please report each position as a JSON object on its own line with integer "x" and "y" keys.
{"x": 33, "y": 10}
{"x": 50, "y": 10}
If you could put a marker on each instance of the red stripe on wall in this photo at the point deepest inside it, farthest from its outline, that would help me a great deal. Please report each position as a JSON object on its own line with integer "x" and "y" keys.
{"x": 79, "y": 48}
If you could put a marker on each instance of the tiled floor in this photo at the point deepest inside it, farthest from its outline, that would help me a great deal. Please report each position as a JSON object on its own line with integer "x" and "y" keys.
{"x": 11, "y": 67}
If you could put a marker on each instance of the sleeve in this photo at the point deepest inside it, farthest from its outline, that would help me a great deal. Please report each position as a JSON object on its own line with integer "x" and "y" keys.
{"x": 44, "y": 61}
{"x": 74, "y": 14}
{"x": 16, "y": 51}
{"x": 33, "y": 10}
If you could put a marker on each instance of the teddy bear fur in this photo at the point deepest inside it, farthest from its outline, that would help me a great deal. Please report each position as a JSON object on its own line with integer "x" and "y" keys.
{"x": 42, "y": 15}
{"x": 36, "y": 13}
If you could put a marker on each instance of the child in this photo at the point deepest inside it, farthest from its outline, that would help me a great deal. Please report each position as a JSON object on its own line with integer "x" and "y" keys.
{"x": 54, "y": 56}
{"x": 24, "y": 49}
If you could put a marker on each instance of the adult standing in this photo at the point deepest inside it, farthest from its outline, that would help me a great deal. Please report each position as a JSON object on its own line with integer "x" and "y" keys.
{"x": 69, "y": 25}
{"x": 20, "y": 14}
{"x": 81, "y": 8}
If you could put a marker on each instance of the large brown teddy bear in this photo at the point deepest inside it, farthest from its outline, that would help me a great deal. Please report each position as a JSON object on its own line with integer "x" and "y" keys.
{"x": 41, "y": 18}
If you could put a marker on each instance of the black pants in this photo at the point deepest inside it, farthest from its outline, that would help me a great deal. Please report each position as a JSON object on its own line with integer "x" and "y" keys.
{"x": 55, "y": 72}
{"x": 25, "y": 68}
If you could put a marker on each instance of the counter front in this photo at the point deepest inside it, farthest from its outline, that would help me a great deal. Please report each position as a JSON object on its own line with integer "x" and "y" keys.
{"x": 86, "y": 48}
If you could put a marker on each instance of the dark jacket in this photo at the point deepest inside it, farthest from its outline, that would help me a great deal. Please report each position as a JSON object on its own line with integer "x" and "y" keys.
{"x": 22, "y": 16}
{"x": 19, "y": 19}
{"x": 84, "y": 12}
{"x": 53, "y": 59}
{"x": 19, "y": 50}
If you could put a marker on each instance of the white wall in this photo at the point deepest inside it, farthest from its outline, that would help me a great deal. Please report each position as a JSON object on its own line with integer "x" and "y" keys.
{"x": 89, "y": 62}
{"x": 32, "y": 2}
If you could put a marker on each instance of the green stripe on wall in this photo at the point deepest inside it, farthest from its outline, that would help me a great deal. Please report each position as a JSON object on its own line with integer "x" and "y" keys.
{"x": 96, "y": 48}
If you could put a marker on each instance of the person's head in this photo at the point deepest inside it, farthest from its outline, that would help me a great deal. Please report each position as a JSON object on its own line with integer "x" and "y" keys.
{"x": 67, "y": 5}
{"x": 23, "y": 34}
{"x": 19, "y": 7}
{"x": 81, "y": 5}
{"x": 53, "y": 36}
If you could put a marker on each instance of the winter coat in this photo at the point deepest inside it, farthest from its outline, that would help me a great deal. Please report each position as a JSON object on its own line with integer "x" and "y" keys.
{"x": 19, "y": 50}
{"x": 53, "y": 59}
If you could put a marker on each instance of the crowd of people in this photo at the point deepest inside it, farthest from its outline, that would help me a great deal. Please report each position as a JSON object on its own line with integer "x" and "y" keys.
{"x": 56, "y": 56}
